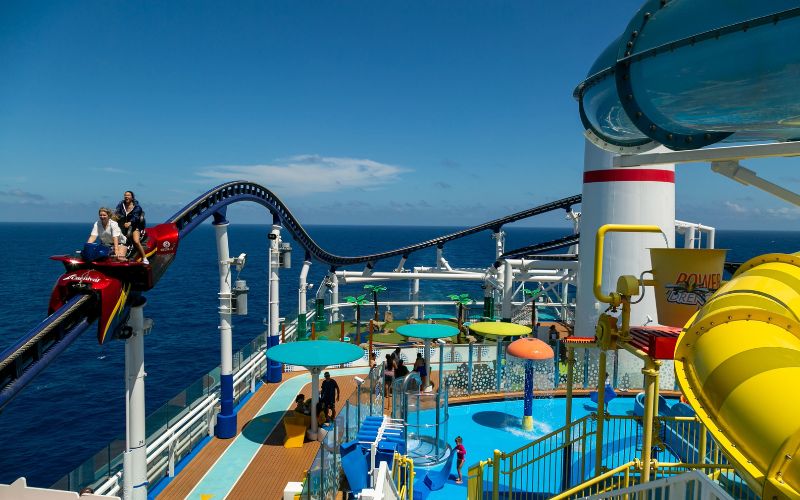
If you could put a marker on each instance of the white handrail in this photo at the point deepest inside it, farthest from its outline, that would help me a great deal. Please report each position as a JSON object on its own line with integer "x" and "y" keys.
{"x": 154, "y": 449}
{"x": 703, "y": 488}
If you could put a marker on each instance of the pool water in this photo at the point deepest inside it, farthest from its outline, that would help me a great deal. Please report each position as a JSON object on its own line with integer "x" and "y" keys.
{"x": 485, "y": 427}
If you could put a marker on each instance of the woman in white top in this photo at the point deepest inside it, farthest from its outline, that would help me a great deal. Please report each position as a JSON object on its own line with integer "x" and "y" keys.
{"x": 107, "y": 230}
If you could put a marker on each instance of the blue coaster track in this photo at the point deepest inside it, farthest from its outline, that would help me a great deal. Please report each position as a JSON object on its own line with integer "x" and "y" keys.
{"x": 27, "y": 357}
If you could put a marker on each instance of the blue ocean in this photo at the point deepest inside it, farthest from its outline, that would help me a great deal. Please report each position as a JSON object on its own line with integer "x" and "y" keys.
{"x": 76, "y": 406}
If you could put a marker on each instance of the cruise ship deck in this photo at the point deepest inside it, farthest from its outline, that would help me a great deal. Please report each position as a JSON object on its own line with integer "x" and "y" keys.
{"x": 256, "y": 459}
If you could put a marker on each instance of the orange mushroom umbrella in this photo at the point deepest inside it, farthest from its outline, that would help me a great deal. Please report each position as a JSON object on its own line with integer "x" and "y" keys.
{"x": 530, "y": 350}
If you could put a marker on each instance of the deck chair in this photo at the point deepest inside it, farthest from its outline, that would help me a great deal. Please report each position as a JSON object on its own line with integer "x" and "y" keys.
{"x": 295, "y": 426}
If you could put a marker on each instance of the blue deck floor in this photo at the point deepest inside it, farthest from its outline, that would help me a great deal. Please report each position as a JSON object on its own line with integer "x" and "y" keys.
{"x": 485, "y": 427}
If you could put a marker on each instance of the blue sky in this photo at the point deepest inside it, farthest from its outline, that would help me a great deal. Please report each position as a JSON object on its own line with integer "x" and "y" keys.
{"x": 357, "y": 112}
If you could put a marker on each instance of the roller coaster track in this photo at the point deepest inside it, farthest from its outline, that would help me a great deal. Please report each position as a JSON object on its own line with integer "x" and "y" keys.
{"x": 22, "y": 361}
{"x": 546, "y": 246}
{"x": 217, "y": 199}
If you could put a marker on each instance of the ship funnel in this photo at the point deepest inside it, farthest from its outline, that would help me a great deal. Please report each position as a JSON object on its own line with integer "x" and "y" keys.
{"x": 687, "y": 74}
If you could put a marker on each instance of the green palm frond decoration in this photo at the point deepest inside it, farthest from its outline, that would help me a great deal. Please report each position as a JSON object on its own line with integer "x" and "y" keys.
{"x": 358, "y": 301}
{"x": 462, "y": 300}
{"x": 533, "y": 294}
{"x": 375, "y": 289}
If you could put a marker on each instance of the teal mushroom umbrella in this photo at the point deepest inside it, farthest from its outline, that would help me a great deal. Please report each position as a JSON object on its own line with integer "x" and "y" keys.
{"x": 427, "y": 332}
{"x": 315, "y": 356}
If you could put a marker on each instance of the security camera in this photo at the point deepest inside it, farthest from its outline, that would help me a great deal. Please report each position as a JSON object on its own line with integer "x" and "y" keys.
{"x": 240, "y": 261}
{"x": 358, "y": 380}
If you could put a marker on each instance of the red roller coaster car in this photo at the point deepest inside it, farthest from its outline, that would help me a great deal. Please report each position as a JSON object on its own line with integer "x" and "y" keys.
{"x": 115, "y": 282}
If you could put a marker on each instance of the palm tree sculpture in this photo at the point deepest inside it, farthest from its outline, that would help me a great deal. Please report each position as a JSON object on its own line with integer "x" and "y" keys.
{"x": 533, "y": 294}
{"x": 461, "y": 300}
{"x": 375, "y": 289}
{"x": 358, "y": 301}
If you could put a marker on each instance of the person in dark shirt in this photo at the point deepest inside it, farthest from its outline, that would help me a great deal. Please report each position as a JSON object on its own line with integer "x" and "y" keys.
{"x": 401, "y": 370}
{"x": 329, "y": 395}
{"x": 131, "y": 221}
{"x": 303, "y": 404}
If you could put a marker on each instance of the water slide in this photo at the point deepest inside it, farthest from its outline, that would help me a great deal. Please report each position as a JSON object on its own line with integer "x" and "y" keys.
{"x": 688, "y": 74}
{"x": 738, "y": 364}
{"x": 108, "y": 307}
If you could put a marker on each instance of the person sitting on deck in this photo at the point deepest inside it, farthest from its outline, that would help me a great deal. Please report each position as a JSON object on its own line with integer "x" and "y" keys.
{"x": 303, "y": 405}
{"x": 322, "y": 418}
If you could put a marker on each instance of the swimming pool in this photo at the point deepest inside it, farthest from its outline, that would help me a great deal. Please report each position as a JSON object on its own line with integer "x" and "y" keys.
{"x": 485, "y": 427}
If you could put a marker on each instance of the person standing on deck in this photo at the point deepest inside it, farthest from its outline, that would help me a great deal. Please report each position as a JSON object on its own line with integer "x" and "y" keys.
{"x": 461, "y": 455}
{"x": 329, "y": 395}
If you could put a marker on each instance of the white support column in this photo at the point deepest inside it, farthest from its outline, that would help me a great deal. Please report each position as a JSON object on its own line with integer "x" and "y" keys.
{"x": 313, "y": 431}
{"x": 302, "y": 297}
{"x": 508, "y": 290}
{"x": 274, "y": 369}
{"x": 336, "y": 313}
{"x": 415, "y": 298}
{"x": 399, "y": 268}
{"x": 226, "y": 420}
{"x": 134, "y": 463}
{"x": 439, "y": 256}
{"x": 689, "y": 236}
{"x": 499, "y": 249}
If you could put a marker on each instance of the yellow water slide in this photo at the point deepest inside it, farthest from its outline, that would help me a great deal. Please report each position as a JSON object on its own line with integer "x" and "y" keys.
{"x": 738, "y": 364}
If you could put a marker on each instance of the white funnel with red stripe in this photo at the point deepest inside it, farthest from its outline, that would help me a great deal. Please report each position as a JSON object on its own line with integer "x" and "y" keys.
{"x": 638, "y": 195}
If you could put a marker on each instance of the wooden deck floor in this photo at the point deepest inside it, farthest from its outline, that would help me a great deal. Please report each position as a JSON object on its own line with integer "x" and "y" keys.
{"x": 272, "y": 467}
{"x": 275, "y": 465}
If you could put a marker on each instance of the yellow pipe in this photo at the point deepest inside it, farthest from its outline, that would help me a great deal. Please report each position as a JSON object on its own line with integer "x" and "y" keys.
{"x": 650, "y": 371}
{"x": 598, "y": 255}
{"x": 496, "y": 475}
{"x": 738, "y": 364}
{"x": 570, "y": 374}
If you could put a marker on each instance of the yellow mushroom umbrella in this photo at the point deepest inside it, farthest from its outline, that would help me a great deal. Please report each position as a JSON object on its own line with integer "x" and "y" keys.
{"x": 499, "y": 330}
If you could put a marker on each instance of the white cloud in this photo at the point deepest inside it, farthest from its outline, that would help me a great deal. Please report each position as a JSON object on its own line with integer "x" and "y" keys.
{"x": 110, "y": 170}
{"x": 16, "y": 195}
{"x": 309, "y": 174}
{"x": 735, "y": 207}
{"x": 790, "y": 213}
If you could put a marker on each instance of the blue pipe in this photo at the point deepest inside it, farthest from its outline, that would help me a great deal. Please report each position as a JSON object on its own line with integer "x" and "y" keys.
{"x": 687, "y": 74}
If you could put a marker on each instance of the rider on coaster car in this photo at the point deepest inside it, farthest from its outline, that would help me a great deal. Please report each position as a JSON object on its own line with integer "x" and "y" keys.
{"x": 131, "y": 221}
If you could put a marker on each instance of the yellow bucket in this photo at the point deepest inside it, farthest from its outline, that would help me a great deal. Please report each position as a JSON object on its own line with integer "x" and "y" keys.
{"x": 684, "y": 279}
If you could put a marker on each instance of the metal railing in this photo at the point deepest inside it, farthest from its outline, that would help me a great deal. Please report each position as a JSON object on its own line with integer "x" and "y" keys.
{"x": 561, "y": 464}
{"x": 693, "y": 485}
{"x": 322, "y": 479}
{"x": 174, "y": 429}
{"x": 403, "y": 476}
